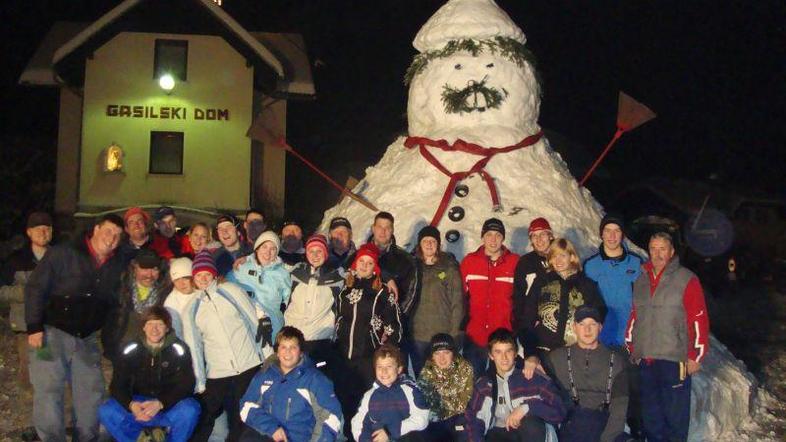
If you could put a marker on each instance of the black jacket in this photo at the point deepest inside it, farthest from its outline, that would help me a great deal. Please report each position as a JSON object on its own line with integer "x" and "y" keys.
{"x": 68, "y": 292}
{"x": 166, "y": 375}
{"x": 549, "y": 308}
{"x": 529, "y": 267}
{"x": 365, "y": 316}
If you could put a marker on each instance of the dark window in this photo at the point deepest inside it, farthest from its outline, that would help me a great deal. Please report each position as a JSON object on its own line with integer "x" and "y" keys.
{"x": 171, "y": 58}
{"x": 166, "y": 152}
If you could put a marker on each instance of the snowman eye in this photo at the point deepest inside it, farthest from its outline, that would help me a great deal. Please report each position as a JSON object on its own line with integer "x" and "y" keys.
{"x": 457, "y": 66}
{"x": 490, "y": 65}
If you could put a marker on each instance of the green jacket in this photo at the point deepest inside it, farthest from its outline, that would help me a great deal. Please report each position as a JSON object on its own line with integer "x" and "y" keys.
{"x": 440, "y": 306}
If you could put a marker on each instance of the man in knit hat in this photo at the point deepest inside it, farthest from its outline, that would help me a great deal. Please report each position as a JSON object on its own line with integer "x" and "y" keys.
{"x": 487, "y": 274}
{"x": 221, "y": 327}
{"x": 14, "y": 274}
{"x": 232, "y": 244}
{"x": 137, "y": 229}
{"x": 530, "y": 266}
{"x": 167, "y": 241}
{"x": 340, "y": 247}
{"x": 292, "y": 251}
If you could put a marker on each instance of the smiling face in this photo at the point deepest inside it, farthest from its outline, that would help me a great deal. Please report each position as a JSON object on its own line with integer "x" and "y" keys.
{"x": 661, "y": 252}
{"x": 227, "y": 234}
{"x": 155, "y": 331}
{"x": 429, "y": 247}
{"x": 199, "y": 237}
{"x": 40, "y": 235}
{"x": 146, "y": 277}
{"x": 202, "y": 280}
{"x": 184, "y": 285}
{"x": 365, "y": 267}
{"x": 503, "y": 355}
{"x": 136, "y": 227}
{"x": 387, "y": 370}
{"x": 442, "y": 358}
{"x": 315, "y": 256}
{"x": 266, "y": 252}
{"x": 541, "y": 240}
{"x": 288, "y": 352}
{"x": 106, "y": 238}
{"x": 492, "y": 243}
{"x": 167, "y": 226}
{"x": 560, "y": 260}
{"x": 612, "y": 237}
{"x": 513, "y": 118}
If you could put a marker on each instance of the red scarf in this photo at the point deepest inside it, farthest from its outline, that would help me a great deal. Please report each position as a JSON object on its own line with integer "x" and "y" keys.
{"x": 462, "y": 146}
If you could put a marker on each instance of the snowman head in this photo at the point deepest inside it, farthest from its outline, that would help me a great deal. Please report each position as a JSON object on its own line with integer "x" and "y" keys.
{"x": 473, "y": 76}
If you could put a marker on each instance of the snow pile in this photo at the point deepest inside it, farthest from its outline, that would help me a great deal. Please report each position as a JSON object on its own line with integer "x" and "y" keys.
{"x": 501, "y": 108}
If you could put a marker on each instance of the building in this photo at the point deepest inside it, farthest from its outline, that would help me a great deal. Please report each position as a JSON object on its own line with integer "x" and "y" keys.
{"x": 156, "y": 102}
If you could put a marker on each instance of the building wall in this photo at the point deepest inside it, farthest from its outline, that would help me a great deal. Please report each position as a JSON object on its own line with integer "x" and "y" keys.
{"x": 217, "y": 153}
{"x": 69, "y": 130}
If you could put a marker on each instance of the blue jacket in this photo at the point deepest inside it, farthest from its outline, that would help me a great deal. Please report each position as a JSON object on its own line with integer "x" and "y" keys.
{"x": 399, "y": 409}
{"x": 302, "y": 402}
{"x": 270, "y": 287}
{"x": 615, "y": 277}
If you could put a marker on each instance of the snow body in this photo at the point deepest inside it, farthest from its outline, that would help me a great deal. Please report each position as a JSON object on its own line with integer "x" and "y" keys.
{"x": 532, "y": 182}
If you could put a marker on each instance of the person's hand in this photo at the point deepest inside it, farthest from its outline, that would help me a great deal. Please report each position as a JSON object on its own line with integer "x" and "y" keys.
{"x": 279, "y": 435}
{"x": 239, "y": 262}
{"x": 36, "y": 340}
{"x": 692, "y": 367}
{"x": 531, "y": 364}
{"x": 514, "y": 418}
{"x": 380, "y": 436}
{"x": 152, "y": 407}
{"x": 137, "y": 411}
{"x": 393, "y": 288}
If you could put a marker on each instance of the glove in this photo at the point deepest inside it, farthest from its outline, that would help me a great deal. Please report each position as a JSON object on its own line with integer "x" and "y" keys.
{"x": 265, "y": 332}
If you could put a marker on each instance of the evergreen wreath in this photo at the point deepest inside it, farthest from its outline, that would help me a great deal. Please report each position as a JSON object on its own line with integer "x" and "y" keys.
{"x": 507, "y": 47}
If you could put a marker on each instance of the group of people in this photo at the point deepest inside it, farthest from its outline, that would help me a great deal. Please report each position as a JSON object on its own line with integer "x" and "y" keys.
{"x": 260, "y": 336}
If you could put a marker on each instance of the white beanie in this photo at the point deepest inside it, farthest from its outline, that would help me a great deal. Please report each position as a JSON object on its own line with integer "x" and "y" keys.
{"x": 267, "y": 235}
{"x": 179, "y": 268}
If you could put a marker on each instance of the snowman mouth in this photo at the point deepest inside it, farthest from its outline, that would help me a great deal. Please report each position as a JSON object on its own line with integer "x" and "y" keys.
{"x": 474, "y": 97}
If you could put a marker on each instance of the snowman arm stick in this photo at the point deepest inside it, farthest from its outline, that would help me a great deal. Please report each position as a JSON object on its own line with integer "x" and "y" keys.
{"x": 603, "y": 154}
{"x": 338, "y": 186}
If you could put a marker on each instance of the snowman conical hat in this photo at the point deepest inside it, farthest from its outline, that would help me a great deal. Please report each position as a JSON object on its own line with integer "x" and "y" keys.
{"x": 466, "y": 19}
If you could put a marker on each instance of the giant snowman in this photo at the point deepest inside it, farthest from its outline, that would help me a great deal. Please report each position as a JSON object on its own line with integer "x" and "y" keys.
{"x": 475, "y": 151}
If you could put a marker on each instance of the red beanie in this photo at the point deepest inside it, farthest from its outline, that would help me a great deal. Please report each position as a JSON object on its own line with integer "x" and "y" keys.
{"x": 136, "y": 211}
{"x": 317, "y": 240}
{"x": 538, "y": 224}
{"x": 370, "y": 250}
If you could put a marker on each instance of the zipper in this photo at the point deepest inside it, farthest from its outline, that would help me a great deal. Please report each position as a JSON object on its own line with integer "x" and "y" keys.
{"x": 286, "y": 415}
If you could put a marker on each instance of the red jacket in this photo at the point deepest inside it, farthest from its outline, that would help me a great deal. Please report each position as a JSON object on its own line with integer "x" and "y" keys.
{"x": 489, "y": 286}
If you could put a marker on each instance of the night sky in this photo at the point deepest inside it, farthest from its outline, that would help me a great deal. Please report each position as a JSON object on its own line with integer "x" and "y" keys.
{"x": 714, "y": 72}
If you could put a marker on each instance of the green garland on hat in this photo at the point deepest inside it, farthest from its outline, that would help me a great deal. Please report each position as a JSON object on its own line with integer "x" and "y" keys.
{"x": 507, "y": 47}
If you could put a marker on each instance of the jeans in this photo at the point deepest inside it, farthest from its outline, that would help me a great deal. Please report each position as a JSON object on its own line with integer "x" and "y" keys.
{"x": 477, "y": 356}
{"x": 665, "y": 400}
{"x": 72, "y": 360}
{"x": 180, "y": 420}
{"x": 419, "y": 353}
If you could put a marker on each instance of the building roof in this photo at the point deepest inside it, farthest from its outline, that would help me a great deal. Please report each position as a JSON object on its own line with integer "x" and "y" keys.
{"x": 280, "y": 60}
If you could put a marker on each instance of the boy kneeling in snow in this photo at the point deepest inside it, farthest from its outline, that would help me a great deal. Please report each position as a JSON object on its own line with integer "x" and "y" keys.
{"x": 152, "y": 384}
{"x": 505, "y": 406}
{"x": 394, "y": 408}
{"x": 291, "y": 400}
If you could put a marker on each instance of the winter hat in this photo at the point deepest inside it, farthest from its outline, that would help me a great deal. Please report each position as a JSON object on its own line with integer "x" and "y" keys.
{"x": 36, "y": 219}
{"x": 442, "y": 341}
{"x": 162, "y": 212}
{"x": 147, "y": 259}
{"x": 136, "y": 211}
{"x": 539, "y": 224}
{"x": 203, "y": 262}
{"x": 227, "y": 218}
{"x": 179, "y": 268}
{"x": 370, "y": 250}
{"x": 459, "y": 20}
{"x": 318, "y": 240}
{"x": 611, "y": 218}
{"x": 267, "y": 235}
{"x": 585, "y": 312}
{"x": 340, "y": 221}
{"x": 493, "y": 224}
{"x": 429, "y": 231}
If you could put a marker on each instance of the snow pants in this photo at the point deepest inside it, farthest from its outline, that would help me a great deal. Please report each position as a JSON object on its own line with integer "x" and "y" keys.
{"x": 222, "y": 394}
{"x": 180, "y": 420}
{"x": 66, "y": 359}
{"x": 665, "y": 400}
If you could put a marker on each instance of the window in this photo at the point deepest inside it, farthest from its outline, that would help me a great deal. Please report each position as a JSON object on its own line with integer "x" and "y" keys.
{"x": 171, "y": 58}
{"x": 166, "y": 152}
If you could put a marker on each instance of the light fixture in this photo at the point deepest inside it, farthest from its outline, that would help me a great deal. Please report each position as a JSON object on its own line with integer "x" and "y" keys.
{"x": 167, "y": 82}
{"x": 113, "y": 158}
